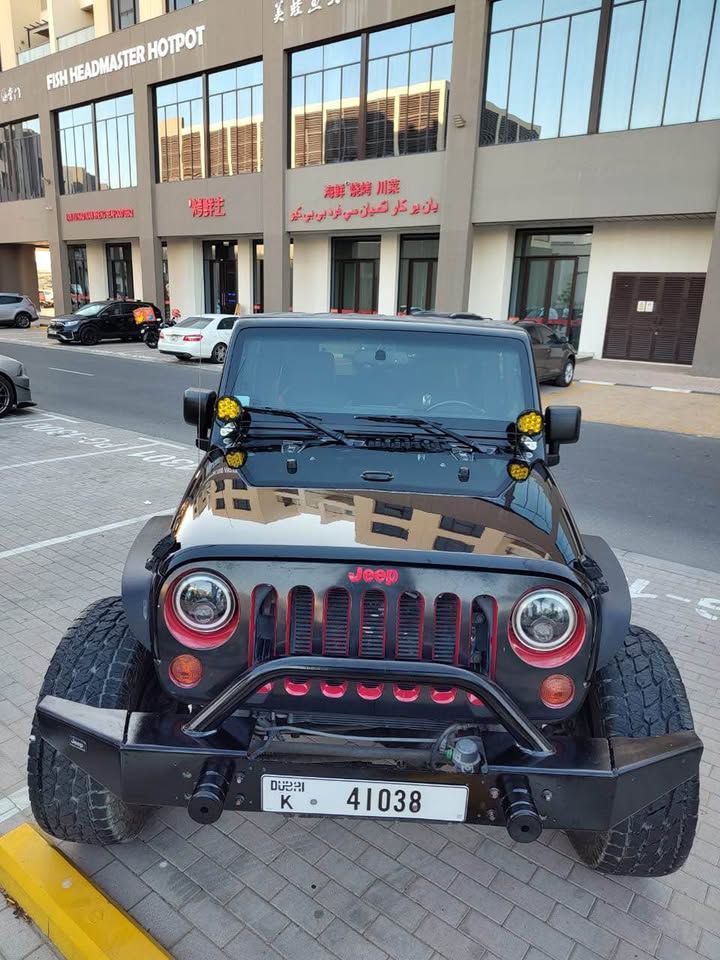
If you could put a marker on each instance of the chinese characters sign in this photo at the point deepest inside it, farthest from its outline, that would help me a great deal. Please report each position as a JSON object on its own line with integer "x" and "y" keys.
{"x": 391, "y": 204}
{"x": 207, "y": 206}
{"x": 297, "y": 8}
{"x": 124, "y": 213}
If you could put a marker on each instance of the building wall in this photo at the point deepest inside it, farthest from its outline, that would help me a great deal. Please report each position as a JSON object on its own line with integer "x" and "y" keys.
{"x": 18, "y": 270}
{"x": 138, "y": 273}
{"x": 185, "y": 272}
{"x": 491, "y": 271}
{"x": 245, "y": 275}
{"x": 388, "y": 278}
{"x": 662, "y": 246}
{"x": 311, "y": 274}
{"x": 97, "y": 270}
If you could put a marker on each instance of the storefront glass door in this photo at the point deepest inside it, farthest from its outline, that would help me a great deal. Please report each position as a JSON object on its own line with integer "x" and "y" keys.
{"x": 120, "y": 271}
{"x": 356, "y": 268}
{"x": 418, "y": 273}
{"x": 79, "y": 289}
{"x": 549, "y": 280}
{"x": 220, "y": 262}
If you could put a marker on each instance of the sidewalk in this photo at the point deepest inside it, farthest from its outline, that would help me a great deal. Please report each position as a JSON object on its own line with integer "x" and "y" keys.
{"x": 658, "y": 376}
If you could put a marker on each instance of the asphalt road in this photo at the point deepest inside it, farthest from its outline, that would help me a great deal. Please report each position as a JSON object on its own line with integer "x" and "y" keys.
{"x": 648, "y": 491}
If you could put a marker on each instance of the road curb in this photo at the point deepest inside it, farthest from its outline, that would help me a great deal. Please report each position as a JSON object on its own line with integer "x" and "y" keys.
{"x": 75, "y": 915}
{"x": 647, "y": 386}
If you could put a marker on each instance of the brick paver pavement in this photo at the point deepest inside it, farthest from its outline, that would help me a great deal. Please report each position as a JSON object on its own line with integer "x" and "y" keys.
{"x": 269, "y": 886}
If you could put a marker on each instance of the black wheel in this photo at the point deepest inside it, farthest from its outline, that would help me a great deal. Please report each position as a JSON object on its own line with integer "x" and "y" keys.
{"x": 7, "y": 396}
{"x": 566, "y": 374}
{"x": 89, "y": 336}
{"x": 640, "y": 694}
{"x": 219, "y": 353}
{"x": 98, "y": 662}
{"x": 23, "y": 320}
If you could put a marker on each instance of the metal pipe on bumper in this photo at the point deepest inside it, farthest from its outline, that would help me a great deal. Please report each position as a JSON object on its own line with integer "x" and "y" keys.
{"x": 583, "y": 784}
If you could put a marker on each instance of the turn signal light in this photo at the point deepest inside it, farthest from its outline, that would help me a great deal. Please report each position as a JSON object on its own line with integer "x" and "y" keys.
{"x": 557, "y": 691}
{"x": 185, "y": 670}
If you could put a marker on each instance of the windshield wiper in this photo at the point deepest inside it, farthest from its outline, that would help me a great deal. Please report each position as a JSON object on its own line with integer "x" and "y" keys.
{"x": 432, "y": 426}
{"x": 310, "y": 422}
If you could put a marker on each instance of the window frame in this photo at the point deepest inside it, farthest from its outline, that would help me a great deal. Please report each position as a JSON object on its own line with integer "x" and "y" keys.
{"x": 364, "y": 36}
{"x": 96, "y": 154}
{"x": 116, "y": 13}
{"x": 28, "y": 194}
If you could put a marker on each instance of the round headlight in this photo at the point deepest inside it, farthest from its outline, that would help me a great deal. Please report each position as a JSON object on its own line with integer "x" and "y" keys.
{"x": 203, "y": 602}
{"x": 544, "y": 620}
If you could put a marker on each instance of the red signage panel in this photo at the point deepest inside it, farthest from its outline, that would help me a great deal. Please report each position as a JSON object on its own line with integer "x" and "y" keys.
{"x": 123, "y": 213}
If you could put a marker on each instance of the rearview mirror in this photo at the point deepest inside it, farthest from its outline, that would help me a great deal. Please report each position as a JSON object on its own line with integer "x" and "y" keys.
{"x": 198, "y": 408}
{"x": 562, "y": 425}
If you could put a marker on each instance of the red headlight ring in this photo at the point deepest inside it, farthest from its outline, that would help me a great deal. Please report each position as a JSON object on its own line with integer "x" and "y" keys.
{"x": 198, "y": 639}
{"x": 550, "y": 658}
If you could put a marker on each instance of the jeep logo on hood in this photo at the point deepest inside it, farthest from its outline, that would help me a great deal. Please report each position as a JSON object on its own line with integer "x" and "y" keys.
{"x": 366, "y": 575}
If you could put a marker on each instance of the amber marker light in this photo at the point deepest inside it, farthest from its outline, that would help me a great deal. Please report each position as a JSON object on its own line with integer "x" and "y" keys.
{"x": 236, "y": 458}
{"x": 185, "y": 670}
{"x": 557, "y": 690}
{"x": 530, "y": 423}
{"x": 228, "y": 408}
{"x": 517, "y": 470}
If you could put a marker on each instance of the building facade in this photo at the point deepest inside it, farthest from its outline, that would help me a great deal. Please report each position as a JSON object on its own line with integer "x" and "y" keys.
{"x": 552, "y": 159}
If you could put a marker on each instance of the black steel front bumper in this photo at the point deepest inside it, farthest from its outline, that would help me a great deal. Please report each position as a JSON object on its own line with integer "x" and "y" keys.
{"x": 207, "y": 764}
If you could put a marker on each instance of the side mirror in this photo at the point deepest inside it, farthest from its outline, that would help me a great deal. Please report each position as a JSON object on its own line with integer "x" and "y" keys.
{"x": 562, "y": 425}
{"x": 198, "y": 408}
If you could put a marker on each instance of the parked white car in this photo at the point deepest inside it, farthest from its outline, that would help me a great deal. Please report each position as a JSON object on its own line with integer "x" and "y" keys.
{"x": 205, "y": 337}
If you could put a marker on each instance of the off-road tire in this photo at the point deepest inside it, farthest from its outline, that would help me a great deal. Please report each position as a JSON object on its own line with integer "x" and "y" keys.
{"x": 640, "y": 694}
{"x": 23, "y": 320}
{"x": 100, "y": 663}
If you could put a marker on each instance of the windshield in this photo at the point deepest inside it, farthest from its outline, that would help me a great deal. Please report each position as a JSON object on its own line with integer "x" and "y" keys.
{"x": 90, "y": 309}
{"x": 345, "y": 373}
{"x": 198, "y": 323}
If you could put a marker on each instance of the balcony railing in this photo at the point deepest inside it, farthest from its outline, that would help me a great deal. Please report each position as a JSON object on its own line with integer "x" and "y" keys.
{"x": 76, "y": 37}
{"x": 35, "y": 53}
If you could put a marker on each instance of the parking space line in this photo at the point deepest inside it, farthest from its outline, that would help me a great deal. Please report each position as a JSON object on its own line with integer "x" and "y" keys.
{"x": 76, "y": 456}
{"x": 25, "y": 418}
{"x": 77, "y": 373}
{"x": 79, "y": 535}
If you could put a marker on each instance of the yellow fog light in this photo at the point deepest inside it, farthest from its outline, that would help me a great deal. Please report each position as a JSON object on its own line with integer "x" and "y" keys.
{"x": 517, "y": 470}
{"x": 530, "y": 423}
{"x": 235, "y": 458}
{"x": 228, "y": 408}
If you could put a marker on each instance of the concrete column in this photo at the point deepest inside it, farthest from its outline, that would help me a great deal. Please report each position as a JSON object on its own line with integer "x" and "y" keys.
{"x": 311, "y": 274}
{"x": 275, "y": 106}
{"x": 147, "y": 9}
{"x": 185, "y": 273}
{"x": 466, "y": 88}
{"x": 58, "y": 252}
{"x": 491, "y": 271}
{"x": 18, "y": 270}
{"x": 60, "y": 270}
{"x": 706, "y": 360}
{"x": 245, "y": 274}
{"x": 102, "y": 15}
{"x": 150, "y": 261}
{"x": 137, "y": 269}
{"x": 97, "y": 270}
{"x": 388, "y": 279}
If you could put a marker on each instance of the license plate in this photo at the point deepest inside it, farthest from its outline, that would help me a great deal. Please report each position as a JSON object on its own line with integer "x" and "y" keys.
{"x": 364, "y": 798}
{"x": 173, "y": 338}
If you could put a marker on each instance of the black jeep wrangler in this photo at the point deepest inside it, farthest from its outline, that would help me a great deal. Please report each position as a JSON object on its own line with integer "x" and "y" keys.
{"x": 373, "y": 601}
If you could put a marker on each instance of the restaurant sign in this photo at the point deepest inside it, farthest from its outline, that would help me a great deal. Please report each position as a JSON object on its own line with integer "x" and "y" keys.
{"x": 122, "y": 213}
{"x": 386, "y": 199}
{"x": 207, "y": 206}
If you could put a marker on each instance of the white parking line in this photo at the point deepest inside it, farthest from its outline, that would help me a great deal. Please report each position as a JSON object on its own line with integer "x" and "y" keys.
{"x": 76, "y": 456}
{"x": 25, "y": 418}
{"x": 80, "y": 535}
{"x": 77, "y": 373}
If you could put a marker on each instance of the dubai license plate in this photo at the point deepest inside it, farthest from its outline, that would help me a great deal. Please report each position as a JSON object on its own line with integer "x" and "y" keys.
{"x": 364, "y": 798}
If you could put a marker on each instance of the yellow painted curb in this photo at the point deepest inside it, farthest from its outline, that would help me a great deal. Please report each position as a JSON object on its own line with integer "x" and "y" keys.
{"x": 77, "y": 917}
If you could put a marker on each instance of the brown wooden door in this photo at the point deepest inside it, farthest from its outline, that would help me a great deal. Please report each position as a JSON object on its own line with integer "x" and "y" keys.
{"x": 654, "y": 316}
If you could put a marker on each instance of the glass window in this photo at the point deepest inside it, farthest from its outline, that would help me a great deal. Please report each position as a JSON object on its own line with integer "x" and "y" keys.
{"x": 120, "y": 271}
{"x": 541, "y": 59}
{"x": 418, "y": 273}
{"x": 79, "y": 289}
{"x": 124, "y": 14}
{"x": 402, "y": 108}
{"x": 356, "y": 269}
{"x": 21, "y": 170}
{"x": 663, "y": 64}
{"x": 180, "y": 130}
{"x": 235, "y": 111}
{"x": 97, "y": 146}
{"x": 178, "y": 4}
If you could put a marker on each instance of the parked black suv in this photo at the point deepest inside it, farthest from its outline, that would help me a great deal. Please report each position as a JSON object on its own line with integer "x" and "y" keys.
{"x": 373, "y": 601}
{"x": 100, "y": 320}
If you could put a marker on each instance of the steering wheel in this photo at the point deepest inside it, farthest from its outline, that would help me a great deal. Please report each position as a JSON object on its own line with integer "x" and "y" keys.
{"x": 455, "y": 403}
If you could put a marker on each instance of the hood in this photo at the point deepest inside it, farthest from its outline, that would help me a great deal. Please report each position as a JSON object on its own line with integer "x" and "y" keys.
{"x": 223, "y": 508}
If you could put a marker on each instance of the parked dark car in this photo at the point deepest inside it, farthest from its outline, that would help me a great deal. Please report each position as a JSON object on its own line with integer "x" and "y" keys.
{"x": 373, "y": 601}
{"x": 17, "y": 310}
{"x": 100, "y": 320}
{"x": 14, "y": 386}
{"x": 554, "y": 355}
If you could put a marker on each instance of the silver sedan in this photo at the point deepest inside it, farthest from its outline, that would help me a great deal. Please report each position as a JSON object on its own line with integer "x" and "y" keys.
{"x": 14, "y": 386}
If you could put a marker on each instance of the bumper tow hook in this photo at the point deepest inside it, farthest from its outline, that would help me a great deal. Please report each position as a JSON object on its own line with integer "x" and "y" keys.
{"x": 208, "y": 799}
{"x": 522, "y": 820}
